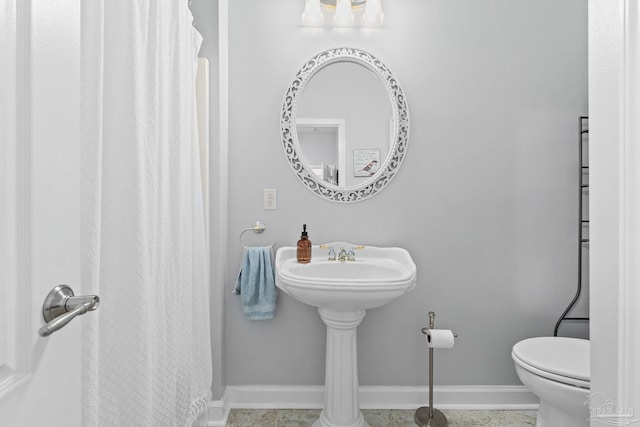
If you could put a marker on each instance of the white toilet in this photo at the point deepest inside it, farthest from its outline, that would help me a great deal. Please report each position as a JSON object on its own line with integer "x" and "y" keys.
{"x": 556, "y": 369}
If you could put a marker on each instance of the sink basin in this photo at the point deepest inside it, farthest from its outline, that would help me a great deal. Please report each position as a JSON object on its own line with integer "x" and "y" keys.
{"x": 376, "y": 277}
{"x": 343, "y": 291}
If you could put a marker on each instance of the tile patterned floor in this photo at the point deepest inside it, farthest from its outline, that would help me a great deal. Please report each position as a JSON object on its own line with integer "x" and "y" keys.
{"x": 378, "y": 418}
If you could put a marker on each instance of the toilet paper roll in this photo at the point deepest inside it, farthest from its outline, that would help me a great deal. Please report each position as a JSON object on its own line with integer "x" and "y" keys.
{"x": 440, "y": 338}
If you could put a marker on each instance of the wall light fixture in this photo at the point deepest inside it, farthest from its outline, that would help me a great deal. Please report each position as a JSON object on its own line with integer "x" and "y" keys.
{"x": 312, "y": 15}
{"x": 373, "y": 15}
{"x": 342, "y": 13}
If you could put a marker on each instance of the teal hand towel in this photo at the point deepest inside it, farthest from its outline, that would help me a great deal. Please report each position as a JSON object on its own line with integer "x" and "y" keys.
{"x": 256, "y": 284}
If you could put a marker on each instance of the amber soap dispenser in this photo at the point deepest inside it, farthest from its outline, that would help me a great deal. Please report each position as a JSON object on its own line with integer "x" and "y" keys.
{"x": 304, "y": 246}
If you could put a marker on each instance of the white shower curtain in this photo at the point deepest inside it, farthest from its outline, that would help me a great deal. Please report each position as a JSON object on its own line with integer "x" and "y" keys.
{"x": 148, "y": 357}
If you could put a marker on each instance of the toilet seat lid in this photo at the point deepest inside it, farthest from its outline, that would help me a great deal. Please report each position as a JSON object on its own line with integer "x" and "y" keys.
{"x": 566, "y": 357}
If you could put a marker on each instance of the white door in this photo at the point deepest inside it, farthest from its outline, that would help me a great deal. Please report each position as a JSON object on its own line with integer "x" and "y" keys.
{"x": 40, "y": 381}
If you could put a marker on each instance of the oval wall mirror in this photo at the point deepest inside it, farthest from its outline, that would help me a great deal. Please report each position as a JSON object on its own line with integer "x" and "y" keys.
{"x": 345, "y": 125}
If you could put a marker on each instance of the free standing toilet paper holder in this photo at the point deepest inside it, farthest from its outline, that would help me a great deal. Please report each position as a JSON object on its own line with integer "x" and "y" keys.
{"x": 428, "y": 416}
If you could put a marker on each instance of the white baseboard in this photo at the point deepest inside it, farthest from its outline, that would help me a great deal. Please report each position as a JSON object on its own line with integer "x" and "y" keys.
{"x": 385, "y": 397}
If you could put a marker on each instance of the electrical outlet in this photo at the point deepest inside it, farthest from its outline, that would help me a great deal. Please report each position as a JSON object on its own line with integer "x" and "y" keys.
{"x": 270, "y": 199}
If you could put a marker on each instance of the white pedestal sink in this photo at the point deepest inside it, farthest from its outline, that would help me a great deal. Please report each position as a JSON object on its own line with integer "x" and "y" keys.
{"x": 343, "y": 291}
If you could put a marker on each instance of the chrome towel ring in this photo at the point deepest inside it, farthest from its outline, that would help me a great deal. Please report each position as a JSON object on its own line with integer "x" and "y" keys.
{"x": 258, "y": 228}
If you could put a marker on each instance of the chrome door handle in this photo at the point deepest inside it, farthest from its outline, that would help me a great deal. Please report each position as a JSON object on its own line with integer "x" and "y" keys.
{"x": 61, "y": 306}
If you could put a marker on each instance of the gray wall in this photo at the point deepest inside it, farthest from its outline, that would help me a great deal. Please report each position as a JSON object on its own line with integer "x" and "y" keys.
{"x": 485, "y": 200}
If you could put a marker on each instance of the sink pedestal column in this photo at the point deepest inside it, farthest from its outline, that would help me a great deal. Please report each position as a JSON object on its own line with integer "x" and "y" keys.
{"x": 341, "y": 404}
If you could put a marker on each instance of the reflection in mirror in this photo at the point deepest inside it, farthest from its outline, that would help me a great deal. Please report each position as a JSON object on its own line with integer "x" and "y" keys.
{"x": 322, "y": 140}
{"x": 356, "y": 96}
{"x": 345, "y": 125}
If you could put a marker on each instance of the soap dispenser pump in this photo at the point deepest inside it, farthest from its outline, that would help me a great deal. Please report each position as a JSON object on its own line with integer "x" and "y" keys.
{"x": 304, "y": 247}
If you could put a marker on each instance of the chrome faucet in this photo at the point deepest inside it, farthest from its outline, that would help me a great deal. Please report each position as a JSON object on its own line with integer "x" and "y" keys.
{"x": 343, "y": 254}
{"x": 332, "y": 252}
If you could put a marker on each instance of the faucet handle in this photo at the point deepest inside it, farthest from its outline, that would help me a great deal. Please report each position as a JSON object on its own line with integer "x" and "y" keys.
{"x": 332, "y": 252}
{"x": 351, "y": 256}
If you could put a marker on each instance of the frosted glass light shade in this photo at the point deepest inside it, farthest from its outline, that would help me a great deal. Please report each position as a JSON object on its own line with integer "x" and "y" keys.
{"x": 312, "y": 15}
{"x": 344, "y": 15}
{"x": 373, "y": 15}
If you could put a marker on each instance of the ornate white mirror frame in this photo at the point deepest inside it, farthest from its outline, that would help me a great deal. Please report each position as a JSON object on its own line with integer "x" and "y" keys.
{"x": 400, "y": 126}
